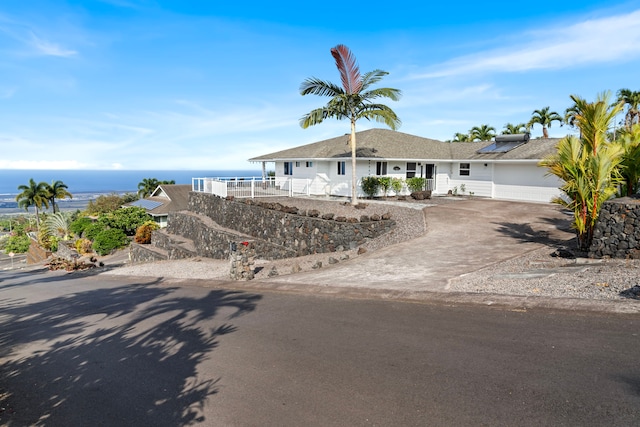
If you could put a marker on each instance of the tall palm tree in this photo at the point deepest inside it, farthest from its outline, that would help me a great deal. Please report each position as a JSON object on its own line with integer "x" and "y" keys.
{"x": 147, "y": 186}
{"x": 511, "y": 129}
{"x": 35, "y": 195}
{"x": 632, "y": 100}
{"x": 589, "y": 165}
{"x": 57, "y": 190}
{"x": 482, "y": 133}
{"x": 461, "y": 137}
{"x": 353, "y": 101}
{"x": 544, "y": 117}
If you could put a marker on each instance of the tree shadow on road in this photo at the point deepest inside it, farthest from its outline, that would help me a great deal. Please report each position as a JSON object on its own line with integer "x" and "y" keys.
{"x": 125, "y": 355}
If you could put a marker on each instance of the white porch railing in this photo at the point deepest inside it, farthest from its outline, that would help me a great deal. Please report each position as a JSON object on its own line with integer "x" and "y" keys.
{"x": 252, "y": 187}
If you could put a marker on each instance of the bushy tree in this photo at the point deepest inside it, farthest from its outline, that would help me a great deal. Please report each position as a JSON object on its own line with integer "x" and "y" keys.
{"x": 104, "y": 203}
{"x": 370, "y": 185}
{"x": 126, "y": 219}
{"x": 18, "y": 243}
{"x": 144, "y": 232}
{"x": 78, "y": 226}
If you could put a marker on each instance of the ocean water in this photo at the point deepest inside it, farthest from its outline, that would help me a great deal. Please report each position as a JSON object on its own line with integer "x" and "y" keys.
{"x": 86, "y": 185}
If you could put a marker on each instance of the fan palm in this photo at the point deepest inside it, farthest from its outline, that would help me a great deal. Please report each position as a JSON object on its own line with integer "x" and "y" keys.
{"x": 57, "y": 190}
{"x": 632, "y": 100}
{"x": 352, "y": 100}
{"x": 511, "y": 129}
{"x": 544, "y": 117}
{"x": 35, "y": 195}
{"x": 589, "y": 165}
{"x": 482, "y": 133}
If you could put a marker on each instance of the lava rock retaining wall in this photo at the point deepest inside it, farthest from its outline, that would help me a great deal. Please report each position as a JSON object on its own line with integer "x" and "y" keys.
{"x": 617, "y": 231}
{"x": 302, "y": 232}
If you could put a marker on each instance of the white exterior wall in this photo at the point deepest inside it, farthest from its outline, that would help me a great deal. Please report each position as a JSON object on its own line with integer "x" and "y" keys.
{"x": 521, "y": 181}
{"x": 477, "y": 182}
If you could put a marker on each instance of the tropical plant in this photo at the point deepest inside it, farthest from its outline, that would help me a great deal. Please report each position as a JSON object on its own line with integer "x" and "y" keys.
{"x": 147, "y": 186}
{"x": 370, "y": 185}
{"x": 83, "y": 246}
{"x": 78, "y": 226}
{"x": 630, "y": 164}
{"x": 353, "y": 101}
{"x": 57, "y": 225}
{"x": 385, "y": 185}
{"x": 588, "y": 166}
{"x": 631, "y": 100}
{"x": 57, "y": 190}
{"x": 482, "y": 133}
{"x": 461, "y": 137}
{"x": 544, "y": 117}
{"x": 511, "y": 129}
{"x": 35, "y": 195}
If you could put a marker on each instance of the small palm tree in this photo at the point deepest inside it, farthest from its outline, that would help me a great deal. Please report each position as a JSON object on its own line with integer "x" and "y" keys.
{"x": 461, "y": 137}
{"x": 632, "y": 100}
{"x": 630, "y": 163}
{"x": 35, "y": 195}
{"x": 57, "y": 190}
{"x": 544, "y": 117}
{"x": 482, "y": 133}
{"x": 511, "y": 129}
{"x": 352, "y": 100}
{"x": 147, "y": 186}
{"x": 589, "y": 165}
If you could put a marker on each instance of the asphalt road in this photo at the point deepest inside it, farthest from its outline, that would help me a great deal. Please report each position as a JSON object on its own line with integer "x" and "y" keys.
{"x": 102, "y": 351}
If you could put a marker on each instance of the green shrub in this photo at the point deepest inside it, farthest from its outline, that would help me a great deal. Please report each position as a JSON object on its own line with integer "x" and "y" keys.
{"x": 396, "y": 185}
{"x": 385, "y": 184}
{"x": 78, "y": 226}
{"x": 18, "y": 244}
{"x": 92, "y": 230}
{"x": 108, "y": 240}
{"x": 416, "y": 184}
{"x": 370, "y": 185}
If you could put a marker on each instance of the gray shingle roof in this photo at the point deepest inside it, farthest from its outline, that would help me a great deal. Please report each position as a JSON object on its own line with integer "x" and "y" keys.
{"x": 177, "y": 199}
{"x": 393, "y": 145}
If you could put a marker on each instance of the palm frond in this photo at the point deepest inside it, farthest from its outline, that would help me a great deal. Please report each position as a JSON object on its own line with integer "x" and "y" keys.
{"x": 348, "y": 69}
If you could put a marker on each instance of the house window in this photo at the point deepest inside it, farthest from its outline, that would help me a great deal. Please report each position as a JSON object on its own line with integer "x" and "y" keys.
{"x": 381, "y": 168}
{"x": 341, "y": 168}
{"x": 297, "y": 164}
{"x": 309, "y": 164}
{"x": 288, "y": 168}
{"x": 411, "y": 169}
{"x": 464, "y": 169}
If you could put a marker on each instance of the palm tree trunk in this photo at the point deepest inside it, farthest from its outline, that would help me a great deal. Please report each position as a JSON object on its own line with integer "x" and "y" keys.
{"x": 354, "y": 174}
{"x": 545, "y": 134}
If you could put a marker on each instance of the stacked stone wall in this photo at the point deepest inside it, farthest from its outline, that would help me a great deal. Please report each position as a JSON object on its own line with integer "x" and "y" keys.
{"x": 301, "y": 232}
{"x": 212, "y": 242}
{"x": 617, "y": 231}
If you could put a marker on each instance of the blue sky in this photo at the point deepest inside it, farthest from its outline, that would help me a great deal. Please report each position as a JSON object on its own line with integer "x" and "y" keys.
{"x": 151, "y": 84}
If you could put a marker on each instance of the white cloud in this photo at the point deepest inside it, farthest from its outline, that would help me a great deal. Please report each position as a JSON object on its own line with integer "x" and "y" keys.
{"x": 48, "y": 48}
{"x": 604, "y": 40}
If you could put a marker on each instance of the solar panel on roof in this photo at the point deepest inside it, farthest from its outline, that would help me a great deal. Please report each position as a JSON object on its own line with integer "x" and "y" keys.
{"x": 146, "y": 204}
{"x": 500, "y": 147}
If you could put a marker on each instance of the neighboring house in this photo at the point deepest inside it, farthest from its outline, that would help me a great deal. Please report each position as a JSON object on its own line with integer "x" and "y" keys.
{"x": 503, "y": 169}
{"x": 165, "y": 199}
